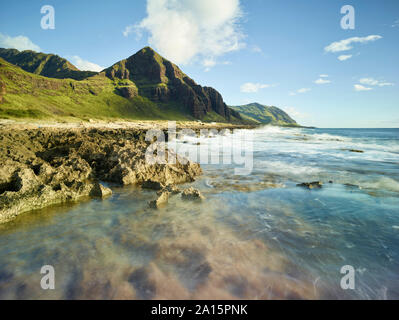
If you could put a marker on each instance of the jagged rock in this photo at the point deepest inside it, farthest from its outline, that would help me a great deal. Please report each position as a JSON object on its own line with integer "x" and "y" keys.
{"x": 311, "y": 185}
{"x": 192, "y": 194}
{"x": 172, "y": 189}
{"x": 161, "y": 201}
{"x": 43, "y": 167}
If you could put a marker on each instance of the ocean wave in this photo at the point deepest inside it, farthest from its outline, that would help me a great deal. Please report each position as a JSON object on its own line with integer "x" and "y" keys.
{"x": 383, "y": 183}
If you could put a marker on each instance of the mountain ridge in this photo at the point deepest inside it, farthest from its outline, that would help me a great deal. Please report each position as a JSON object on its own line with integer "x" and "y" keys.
{"x": 263, "y": 114}
{"x": 48, "y": 65}
{"x": 142, "y": 86}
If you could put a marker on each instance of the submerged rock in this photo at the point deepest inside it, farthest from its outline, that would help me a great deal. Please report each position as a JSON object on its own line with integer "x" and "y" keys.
{"x": 311, "y": 185}
{"x": 171, "y": 188}
{"x": 161, "y": 201}
{"x": 353, "y": 150}
{"x": 357, "y": 151}
{"x": 192, "y": 194}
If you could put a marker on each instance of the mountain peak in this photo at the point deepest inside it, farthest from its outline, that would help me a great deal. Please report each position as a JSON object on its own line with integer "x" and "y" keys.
{"x": 160, "y": 80}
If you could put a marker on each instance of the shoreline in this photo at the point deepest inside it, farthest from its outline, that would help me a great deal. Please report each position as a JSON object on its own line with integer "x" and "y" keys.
{"x": 46, "y": 164}
{"x": 128, "y": 125}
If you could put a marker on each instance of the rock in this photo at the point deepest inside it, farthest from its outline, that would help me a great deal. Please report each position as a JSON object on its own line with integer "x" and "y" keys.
{"x": 43, "y": 167}
{"x": 161, "y": 201}
{"x": 357, "y": 151}
{"x": 172, "y": 189}
{"x": 153, "y": 185}
{"x": 353, "y": 150}
{"x": 99, "y": 191}
{"x": 192, "y": 194}
{"x": 128, "y": 92}
{"x": 311, "y": 185}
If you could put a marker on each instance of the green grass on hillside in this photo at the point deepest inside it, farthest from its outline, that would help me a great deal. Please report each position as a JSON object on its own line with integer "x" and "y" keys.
{"x": 33, "y": 96}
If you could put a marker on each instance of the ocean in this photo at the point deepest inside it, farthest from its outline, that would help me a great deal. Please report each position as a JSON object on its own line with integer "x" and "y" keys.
{"x": 256, "y": 236}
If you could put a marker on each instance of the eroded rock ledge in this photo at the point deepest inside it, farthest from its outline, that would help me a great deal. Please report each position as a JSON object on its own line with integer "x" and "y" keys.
{"x": 42, "y": 167}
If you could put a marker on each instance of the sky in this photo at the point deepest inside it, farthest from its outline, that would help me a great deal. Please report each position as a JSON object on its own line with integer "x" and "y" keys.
{"x": 288, "y": 53}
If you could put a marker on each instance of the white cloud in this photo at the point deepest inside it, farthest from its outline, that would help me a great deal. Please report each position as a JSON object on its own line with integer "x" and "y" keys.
{"x": 257, "y": 49}
{"x": 185, "y": 30}
{"x": 374, "y": 82}
{"x": 85, "y": 65}
{"x": 250, "y": 87}
{"x": 324, "y": 76}
{"x": 322, "y": 81}
{"x": 344, "y": 57}
{"x": 395, "y": 24}
{"x": 359, "y": 87}
{"x": 346, "y": 44}
{"x": 302, "y": 90}
{"x": 19, "y": 42}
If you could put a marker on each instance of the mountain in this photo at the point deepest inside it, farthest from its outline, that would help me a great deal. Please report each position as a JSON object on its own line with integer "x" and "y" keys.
{"x": 148, "y": 74}
{"x": 265, "y": 114}
{"x": 143, "y": 86}
{"x": 48, "y": 65}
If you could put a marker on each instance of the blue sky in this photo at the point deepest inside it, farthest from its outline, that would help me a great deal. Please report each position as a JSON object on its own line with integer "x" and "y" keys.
{"x": 271, "y": 52}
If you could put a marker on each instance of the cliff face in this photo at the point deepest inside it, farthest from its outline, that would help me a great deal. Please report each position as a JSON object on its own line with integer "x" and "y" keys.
{"x": 160, "y": 80}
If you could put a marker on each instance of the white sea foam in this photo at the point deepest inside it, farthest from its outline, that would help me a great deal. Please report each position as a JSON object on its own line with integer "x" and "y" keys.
{"x": 384, "y": 183}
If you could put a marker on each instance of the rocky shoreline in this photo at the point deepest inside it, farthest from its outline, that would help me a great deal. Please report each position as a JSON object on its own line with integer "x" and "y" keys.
{"x": 48, "y": 164}
{"x": 43, "y": 166}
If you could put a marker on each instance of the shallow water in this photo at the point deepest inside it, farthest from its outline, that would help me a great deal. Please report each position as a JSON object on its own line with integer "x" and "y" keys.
{"x": 254, "y": 237}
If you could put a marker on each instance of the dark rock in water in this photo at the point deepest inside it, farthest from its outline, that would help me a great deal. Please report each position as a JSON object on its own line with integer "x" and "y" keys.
{"x": 99, "y": 191}
{"x": 192, "y": 194}
{"x": 330, "y": 181}
{"x": 353, "y": 150}
{"x": 311, "y": 185}
{"x": 153, "y": 185}
{"x": 172, "y": 189}
{"x": 357, "y": 151}
{"x": 161, "y": 201}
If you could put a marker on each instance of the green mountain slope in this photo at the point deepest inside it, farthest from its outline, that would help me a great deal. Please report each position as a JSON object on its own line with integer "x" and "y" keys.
{"x": 48, "y": 65}
{"x": 144, "y": 86}
{"x": 27, "y": 95}
{"x": 264, "y": 114}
